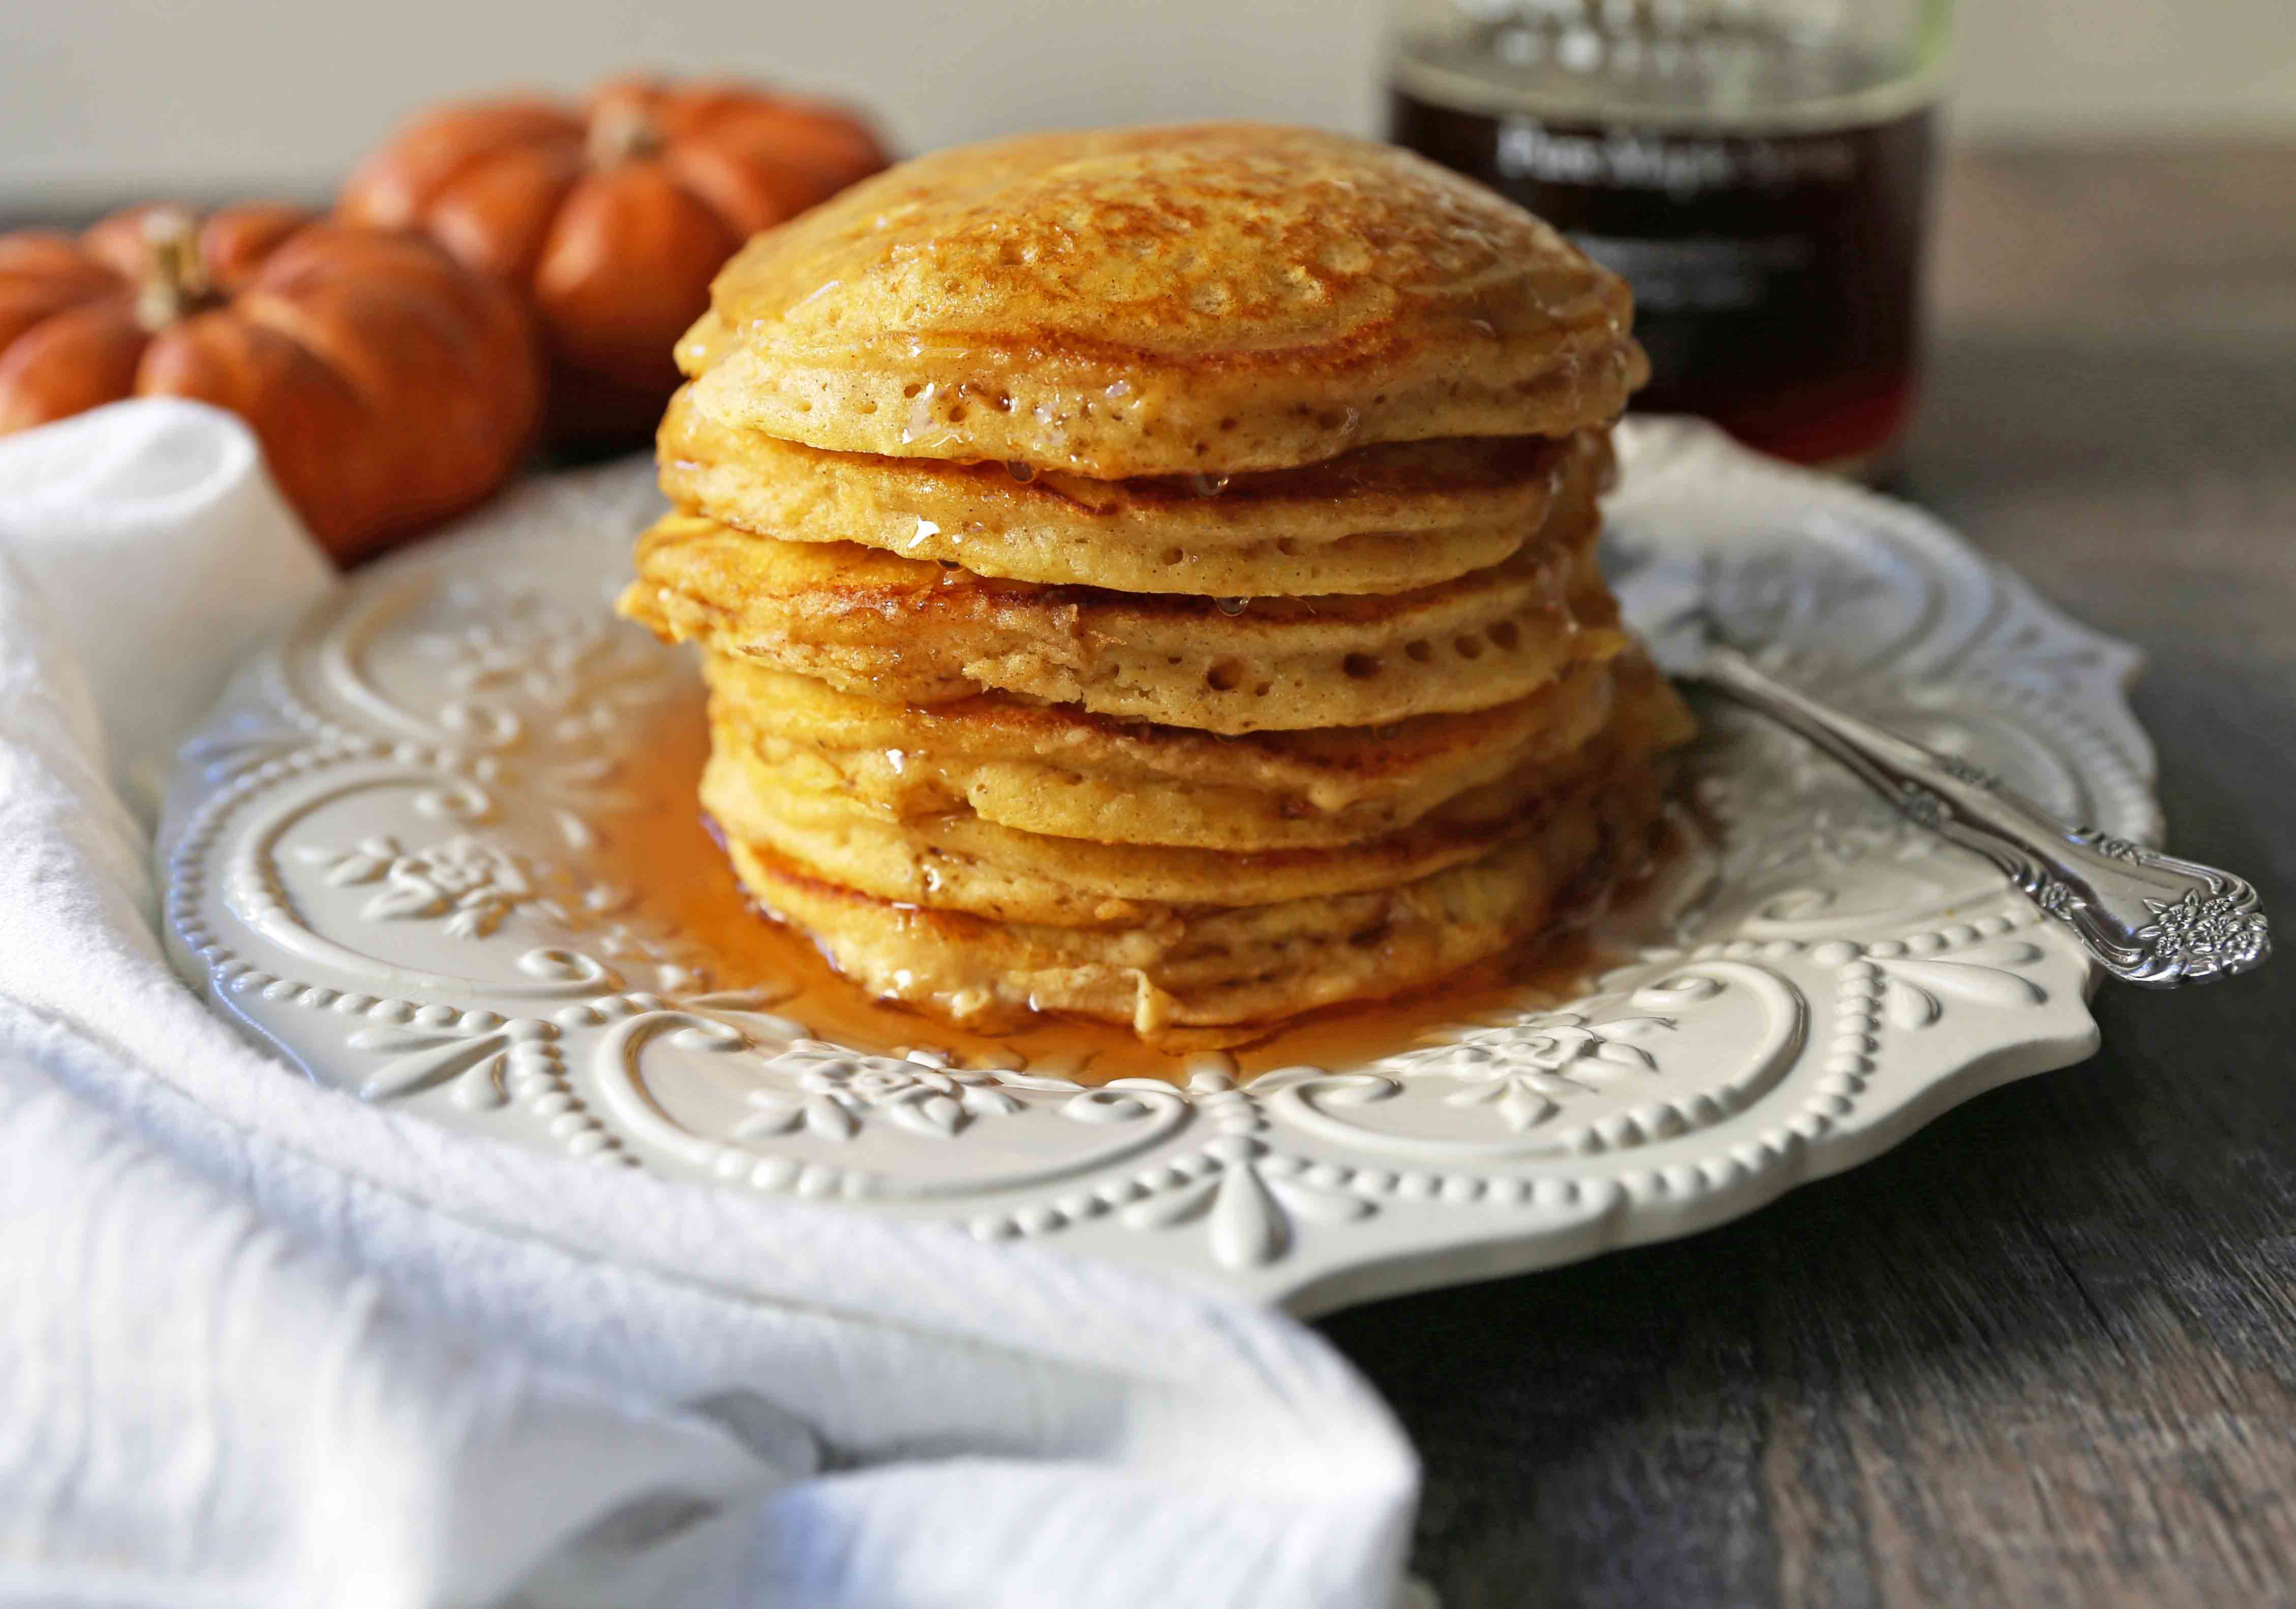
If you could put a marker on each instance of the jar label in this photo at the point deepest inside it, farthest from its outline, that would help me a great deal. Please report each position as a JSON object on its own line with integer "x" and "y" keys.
{"x": 1776, "y": 275}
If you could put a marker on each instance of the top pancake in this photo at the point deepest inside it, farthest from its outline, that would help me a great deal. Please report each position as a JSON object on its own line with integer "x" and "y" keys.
{"x": 1208, "y": 298}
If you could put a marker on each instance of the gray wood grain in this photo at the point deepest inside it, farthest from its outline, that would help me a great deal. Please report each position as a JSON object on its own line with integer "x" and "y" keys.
{"x": 2045, "y": 1353}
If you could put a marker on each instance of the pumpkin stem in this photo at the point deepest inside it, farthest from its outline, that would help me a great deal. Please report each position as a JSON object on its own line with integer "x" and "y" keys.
{"x": 176, "y": 281}
{"x": 623, "y": 132}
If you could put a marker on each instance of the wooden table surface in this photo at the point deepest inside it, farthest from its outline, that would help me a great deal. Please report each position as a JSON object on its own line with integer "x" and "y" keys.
{"x": 2045, "y": 1351}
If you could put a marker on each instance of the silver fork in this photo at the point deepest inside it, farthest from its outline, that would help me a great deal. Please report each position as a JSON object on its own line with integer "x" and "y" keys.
{"x": 2151, "y": 918}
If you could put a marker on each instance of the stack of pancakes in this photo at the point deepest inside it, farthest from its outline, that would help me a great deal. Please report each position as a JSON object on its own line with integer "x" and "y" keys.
{"x": 1150, "y": 575}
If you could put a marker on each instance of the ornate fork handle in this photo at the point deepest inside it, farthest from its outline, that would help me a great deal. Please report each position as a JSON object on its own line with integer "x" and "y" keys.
{"x": 2149, "y": 917}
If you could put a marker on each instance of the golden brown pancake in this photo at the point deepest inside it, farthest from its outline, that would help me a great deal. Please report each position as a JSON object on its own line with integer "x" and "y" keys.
{"x": 1381, "y": 518}
{"x": 1223, "y": 976}
{"x": 954, "y": 860}
{"x": 889, "y": 627}
{"x": 957, "y": 861}
{"x": 1208, "y": 299}
{"x": 1052, "y": 769}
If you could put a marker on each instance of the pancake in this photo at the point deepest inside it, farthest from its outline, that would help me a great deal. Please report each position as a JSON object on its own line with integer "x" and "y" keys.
{"x": 1382, "y": 519}
{"x": 1223, "y": 976}
{"x": 1210, "y": 299}
{"x": 959, "y": 862}
{"x": 956, "y": 861}
{"x": 890, "y": 627}
{"x": 1066, "y": 773}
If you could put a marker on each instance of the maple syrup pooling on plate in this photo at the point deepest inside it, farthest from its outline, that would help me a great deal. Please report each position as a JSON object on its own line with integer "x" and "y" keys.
{"x": 1757, "y": 171}
{"x": 663, "y": 846}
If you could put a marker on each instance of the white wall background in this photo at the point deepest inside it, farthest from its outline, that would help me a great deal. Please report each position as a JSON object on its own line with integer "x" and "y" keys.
{"x": 98, "y": 97}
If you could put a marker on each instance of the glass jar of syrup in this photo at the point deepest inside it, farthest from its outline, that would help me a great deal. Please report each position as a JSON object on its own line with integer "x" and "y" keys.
{"x": 1756, "y": 169}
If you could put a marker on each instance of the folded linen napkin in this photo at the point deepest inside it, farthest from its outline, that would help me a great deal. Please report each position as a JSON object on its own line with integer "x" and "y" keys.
{"x": 267, "y": 1345}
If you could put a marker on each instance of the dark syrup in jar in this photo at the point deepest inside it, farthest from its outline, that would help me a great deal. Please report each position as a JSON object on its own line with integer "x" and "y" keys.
{"x": 1766, "y": 198}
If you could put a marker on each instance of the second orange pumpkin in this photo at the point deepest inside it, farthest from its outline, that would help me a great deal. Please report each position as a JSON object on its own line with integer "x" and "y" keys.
{"x": 612, "y": 217}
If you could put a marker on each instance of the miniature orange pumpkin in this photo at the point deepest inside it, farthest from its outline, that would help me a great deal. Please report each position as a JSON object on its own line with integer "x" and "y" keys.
{"x": 612, "y": 217}
{"x": 388, "y": 384}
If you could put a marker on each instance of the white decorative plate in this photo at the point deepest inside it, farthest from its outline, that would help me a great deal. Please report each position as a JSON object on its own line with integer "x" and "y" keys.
{"x": 403, "y": 852}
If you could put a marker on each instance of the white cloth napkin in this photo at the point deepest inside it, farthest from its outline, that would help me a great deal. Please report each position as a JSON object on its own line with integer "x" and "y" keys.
{"x": 262, "y": 1344}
